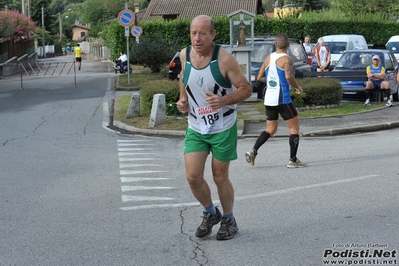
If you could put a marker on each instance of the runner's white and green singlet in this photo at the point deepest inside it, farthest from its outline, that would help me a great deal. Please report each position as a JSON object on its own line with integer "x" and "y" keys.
{"x": 202, "y": 118}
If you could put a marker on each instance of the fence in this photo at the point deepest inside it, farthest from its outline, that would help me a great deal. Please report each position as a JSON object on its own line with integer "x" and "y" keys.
{"x": 48, "y": 49}
{"x": 95, "y": 51}
{"x": 48, "y": 69}
{"x": 10, "y": 49}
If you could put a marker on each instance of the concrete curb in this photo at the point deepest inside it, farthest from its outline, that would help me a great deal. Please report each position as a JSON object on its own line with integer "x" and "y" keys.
{"x": 240, "y": 132}
{"x": 353, "y": 130}
{"x": 175, "y": 133}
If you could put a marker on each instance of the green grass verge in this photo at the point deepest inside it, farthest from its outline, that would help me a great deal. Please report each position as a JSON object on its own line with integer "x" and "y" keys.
{"x": 180, "y": 123}
{"x": 344, "y": 109}
{"x": 147, "y": 79}
{"x": 121, "y": 106}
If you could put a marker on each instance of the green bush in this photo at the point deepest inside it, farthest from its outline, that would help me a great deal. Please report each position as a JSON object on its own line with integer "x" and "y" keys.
{"x": 153, "y": 51}
{"x": 152, "y": 87}
{"x": 318, "y": 91}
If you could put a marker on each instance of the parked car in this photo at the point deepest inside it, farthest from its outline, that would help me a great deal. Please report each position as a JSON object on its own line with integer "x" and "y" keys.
{"x": 175, "y": 67}
{"x": 393, "y": 46}
{"x": 351, "y": 70}
{"x": 264, "y": 46}
{"x": 175, "y": 64}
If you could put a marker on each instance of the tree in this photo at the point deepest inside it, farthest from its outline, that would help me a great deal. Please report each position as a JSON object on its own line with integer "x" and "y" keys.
{"x": 16, "y": 26}
{"x": 36, "y": 13}
{"x": 153, "y": 51}
{"x": 365, "y": 6}
{"x": 4, "y": 3}
{"x": 305, "y": 4}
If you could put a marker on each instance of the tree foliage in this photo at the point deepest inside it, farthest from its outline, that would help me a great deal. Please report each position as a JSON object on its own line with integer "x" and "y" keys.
{"x": 153, "y": 51}
{"x": 36, "y": 13}
{"x": 366, "y": 6}
{"x": 16, "y": 26}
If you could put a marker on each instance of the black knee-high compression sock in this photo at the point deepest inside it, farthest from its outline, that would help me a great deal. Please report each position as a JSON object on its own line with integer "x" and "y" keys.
{"x": 387, "y": 93}
{"x": 368, "y": 94}
{"x": 294, "y": 143}
{"x": 263, "y": 137}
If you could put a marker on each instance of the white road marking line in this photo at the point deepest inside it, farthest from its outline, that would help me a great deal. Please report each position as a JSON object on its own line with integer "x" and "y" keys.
{"x": 131, "y": 144}
{"x": 145, "y": 207}
{"x": 132, "y": 165}
{"x": 126, "y": 198}
{"x": 136, "y": 159}
{"x": 260, "y": 195}
{"x": 125, "y": 172}
{"x": 132, "y": 140}
{"x": 134, "y": 154}
{"x": 289, "y": 190}
{"x": 132, "y": 149}
{"x": 137, "y": 188}
{"x": 139, "y": 179}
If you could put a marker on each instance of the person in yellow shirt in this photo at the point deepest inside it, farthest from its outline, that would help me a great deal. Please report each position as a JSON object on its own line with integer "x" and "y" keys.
{"x": 78, "y": 55}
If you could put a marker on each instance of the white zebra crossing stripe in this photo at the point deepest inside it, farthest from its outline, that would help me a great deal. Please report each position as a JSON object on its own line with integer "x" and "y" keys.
{"x": 126, "y": 198}
{"x": 136, "y": 188}
{"x": 124, "y": 172}
{"x": 140, "y": 179}
{"x": 139, "y": 164}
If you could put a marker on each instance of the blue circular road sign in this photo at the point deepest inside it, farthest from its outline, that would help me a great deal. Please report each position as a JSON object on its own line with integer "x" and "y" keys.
{"x": 137, "y": 31}
{"x": 126, "y": 17}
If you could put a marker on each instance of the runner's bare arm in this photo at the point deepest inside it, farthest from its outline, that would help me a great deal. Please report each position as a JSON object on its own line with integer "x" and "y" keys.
{"x": 289, "y": 73}
{"x": 182, "y": 104}
{"x": 261, "y": 74}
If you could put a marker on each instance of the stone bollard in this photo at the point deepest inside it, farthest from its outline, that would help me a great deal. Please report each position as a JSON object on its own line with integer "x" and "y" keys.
{"x": 134, "y": 107}
{"x": 158, "y": 110}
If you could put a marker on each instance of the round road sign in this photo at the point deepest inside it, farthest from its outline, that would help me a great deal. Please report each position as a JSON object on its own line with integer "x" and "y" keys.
{"x": 126, "y": 17}
{"x": 137, "y": 31}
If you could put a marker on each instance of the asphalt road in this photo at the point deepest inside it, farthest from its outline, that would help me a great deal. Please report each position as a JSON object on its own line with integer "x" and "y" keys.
{"x": 74, "y": 192}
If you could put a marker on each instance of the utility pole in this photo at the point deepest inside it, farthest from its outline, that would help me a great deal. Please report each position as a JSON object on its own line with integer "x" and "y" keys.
{"x": 23, "y": 7}
{"x": 59, "y": 17}
{"x": 44, "y": 49}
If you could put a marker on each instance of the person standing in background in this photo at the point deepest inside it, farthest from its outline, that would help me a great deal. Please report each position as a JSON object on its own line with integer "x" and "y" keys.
{"x": 323, "y": 56}
{"x": 309, "y": 48}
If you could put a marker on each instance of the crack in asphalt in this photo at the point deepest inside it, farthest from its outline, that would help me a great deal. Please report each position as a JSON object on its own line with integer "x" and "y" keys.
{"x": 198, "y": 253}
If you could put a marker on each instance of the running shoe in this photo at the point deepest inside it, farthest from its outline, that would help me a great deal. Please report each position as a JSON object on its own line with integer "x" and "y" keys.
{"x": 209, "y": 220}
{"x": 250, "y": 157}
{"x": 389, "y": 103}
{"x": 227, "y": 229}
{"x": 367, "y": 102}
{"x": 296, "y": 164}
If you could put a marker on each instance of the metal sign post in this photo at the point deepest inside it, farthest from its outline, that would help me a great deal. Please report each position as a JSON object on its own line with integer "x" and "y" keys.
{"x": 126, "y": 18}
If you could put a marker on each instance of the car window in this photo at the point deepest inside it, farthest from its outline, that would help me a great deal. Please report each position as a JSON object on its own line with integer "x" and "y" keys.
{"x": 261, "y": 51}
{"x": 388, "y": 62}
{"x": 296, "y": 51}
{"x": 393, "y": 47}
{"x": 336, "y": 47}
{"x": 355, "y": 60}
